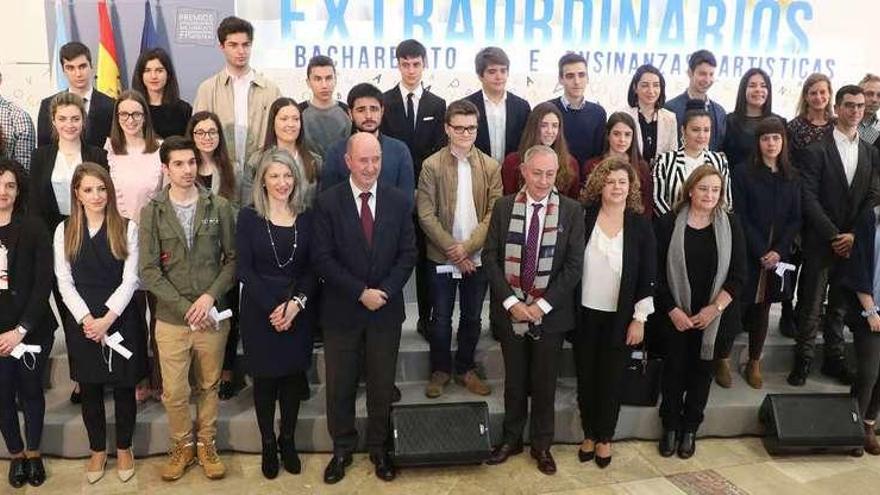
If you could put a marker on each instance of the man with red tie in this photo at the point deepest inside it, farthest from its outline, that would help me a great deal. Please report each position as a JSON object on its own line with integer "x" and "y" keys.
{"x": 365, "y": 251}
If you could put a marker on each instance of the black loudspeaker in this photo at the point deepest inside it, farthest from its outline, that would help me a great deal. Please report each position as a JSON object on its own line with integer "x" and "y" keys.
{"x": 441, "y": 434}
{"x": 811, "y": 423}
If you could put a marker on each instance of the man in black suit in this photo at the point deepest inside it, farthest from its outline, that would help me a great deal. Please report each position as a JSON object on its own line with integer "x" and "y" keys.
{"x": 839, "y": 184}
{"x": 365, "y": 251}
{"x": 533, "y": 306}
{"x": 502, "y": 114}
{"x": 414, "y": 115}
{"x": 76, "y": 61}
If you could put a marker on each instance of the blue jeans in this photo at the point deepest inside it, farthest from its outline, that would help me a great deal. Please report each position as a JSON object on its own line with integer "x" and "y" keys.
{"x": 472, "y": 291}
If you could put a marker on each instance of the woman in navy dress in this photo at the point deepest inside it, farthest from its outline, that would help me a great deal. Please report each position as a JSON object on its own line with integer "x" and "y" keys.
{"x": 272, "y": 240}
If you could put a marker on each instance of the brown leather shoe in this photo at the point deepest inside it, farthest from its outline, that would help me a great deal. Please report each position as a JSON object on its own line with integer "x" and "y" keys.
{"x": 435, "y": 386}
{"x": 502, "y": 452}
{"x": 722, "y": 373}
{"x": 546, "y": 464}
{"x": 753, "y": 373}
{"x": 872, "y": 446}
{"x": 473, "y": 383}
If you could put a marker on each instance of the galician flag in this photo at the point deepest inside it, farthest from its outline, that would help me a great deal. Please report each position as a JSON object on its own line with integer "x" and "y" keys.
{"x": 108, "y": 67}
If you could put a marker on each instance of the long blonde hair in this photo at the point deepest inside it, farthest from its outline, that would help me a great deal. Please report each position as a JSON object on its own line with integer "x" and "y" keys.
{"x": 76, "y": 225}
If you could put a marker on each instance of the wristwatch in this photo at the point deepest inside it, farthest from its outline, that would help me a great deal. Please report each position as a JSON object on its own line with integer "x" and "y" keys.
{"x": 870, "y": 312}
{"x": 22, "y": 330}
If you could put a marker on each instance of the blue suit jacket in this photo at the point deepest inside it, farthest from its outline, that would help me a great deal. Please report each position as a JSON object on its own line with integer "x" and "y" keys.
{"x": 348, "y": 265}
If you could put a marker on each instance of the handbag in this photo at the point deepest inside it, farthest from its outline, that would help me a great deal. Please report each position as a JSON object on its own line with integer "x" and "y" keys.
{"x": 640, "y": 383}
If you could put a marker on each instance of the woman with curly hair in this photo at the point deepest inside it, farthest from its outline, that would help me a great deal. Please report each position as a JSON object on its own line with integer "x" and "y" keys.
{"x": 617, "y": 288}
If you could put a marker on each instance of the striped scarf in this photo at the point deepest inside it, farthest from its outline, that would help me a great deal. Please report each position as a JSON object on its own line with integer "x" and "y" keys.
{"x": 513, "y": 252}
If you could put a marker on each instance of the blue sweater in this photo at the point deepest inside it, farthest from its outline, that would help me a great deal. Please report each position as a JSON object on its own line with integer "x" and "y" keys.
{"x": 584, "y": 130}
{"x": 678, "y": 106}
{"x": 396, "y": 172}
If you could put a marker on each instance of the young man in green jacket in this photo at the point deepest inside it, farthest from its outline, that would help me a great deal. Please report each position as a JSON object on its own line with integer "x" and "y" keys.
{"x": 187, "y": 245}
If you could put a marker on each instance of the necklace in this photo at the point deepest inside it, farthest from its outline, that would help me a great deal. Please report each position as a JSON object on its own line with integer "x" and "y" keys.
{"x": 275, "y": 251}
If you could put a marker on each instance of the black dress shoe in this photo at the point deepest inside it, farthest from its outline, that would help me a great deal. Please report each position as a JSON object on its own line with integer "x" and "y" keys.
{"x": 395, "y": 395}
{"x": 502, "y": 452}
{"x": 603, "y": 462}
{"x": 17, "y": 472}
{"x": 546, "y": 464}
{"x": 585, "y": 456}
{"x": 36, "y": 472}
{"x": 688, "y": 445}
{"x": 800, "y": 372}
{"x": 384, "y": 467}
{"x": 668, "y": 443}
{"x": 289, "y": 455}
{"x": 226, "y": 390}
{"x": 269, "y": 461}
{"x": 335, "y": 470}
{"x": 836, "y": 368}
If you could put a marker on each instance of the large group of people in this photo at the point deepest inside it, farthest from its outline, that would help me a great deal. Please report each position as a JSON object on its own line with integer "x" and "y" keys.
{"x": 175, "y": 231}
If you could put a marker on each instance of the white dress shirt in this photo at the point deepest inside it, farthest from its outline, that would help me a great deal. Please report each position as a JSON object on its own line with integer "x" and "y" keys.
{"x": 465, "y": 220}
{"x": 240, "y": 91}
{"x": 542, "y": 215}
{"x": 62, "y": 174}
{"x": 496, "y": 119}
{"x": 417, "y": 96}
{"x": 118, "y": 301}
{"x": 849, "y": 153}
{"x": 356, "y": 192}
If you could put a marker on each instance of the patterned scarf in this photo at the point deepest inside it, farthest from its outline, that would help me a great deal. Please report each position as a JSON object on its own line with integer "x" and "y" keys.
{"x": 513, "y": 252}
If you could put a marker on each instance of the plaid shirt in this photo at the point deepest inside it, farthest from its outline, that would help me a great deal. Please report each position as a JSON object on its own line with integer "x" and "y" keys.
{"x": 869, "y": 129}
{"x": 18, "y": 134}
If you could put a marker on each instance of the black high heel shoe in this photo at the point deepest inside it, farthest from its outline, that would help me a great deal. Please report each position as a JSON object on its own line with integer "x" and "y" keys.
{"x": 36, "y": 471}
{"x": 603, "y": 462}
{"x": 18, "y": 472}
{"x": 584, "y": 456}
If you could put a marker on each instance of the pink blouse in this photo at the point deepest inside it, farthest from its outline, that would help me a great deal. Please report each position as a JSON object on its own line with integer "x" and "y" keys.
{"x": 137, "y": 178}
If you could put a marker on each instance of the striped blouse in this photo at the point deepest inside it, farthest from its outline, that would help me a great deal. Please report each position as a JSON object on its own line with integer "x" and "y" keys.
{"x": 671, "y": 171}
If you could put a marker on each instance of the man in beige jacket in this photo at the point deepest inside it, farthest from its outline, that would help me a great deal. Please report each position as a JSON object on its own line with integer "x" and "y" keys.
{"x": 238, "y": 94}
{"x": 457, "y": 189}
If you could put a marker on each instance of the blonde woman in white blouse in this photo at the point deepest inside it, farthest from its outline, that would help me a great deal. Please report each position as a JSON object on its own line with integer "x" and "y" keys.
{"x": 616, "y": 296}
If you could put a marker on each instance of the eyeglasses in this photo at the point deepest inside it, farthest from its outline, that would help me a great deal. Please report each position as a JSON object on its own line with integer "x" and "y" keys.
{"x": 136, "y": 116}
{"x": 461, "y": 129}
{"x": 212, "y": 134}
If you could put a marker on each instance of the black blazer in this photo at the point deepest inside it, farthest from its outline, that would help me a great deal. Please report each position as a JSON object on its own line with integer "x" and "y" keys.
{"x": 517, "y": 113}
{"x": 858, "y": 270}
{"x": 100, "y": 118}
{"x": 42, "y": 203}
{"x": 30, "y": 276}
{"x": 639, "y": 274}
{"x": 348, "y": 265}
{"x": 830, "y": 205}
{"x": 568, "y": 263}
{"x": 429, "y": 135}
{"x": 767, "y": 202}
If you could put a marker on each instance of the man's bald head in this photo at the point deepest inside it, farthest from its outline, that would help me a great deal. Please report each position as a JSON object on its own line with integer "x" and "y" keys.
{"x": 363, "y": 156}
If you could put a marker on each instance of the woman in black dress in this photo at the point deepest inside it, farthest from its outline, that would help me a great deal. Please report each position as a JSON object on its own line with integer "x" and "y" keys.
{"x": 25, "y": 318}
{"x": 96, "y": 255}
{"x": 272, "y": 240}
{"x": 155, "y": 78}
{"x": 700, "y": 272}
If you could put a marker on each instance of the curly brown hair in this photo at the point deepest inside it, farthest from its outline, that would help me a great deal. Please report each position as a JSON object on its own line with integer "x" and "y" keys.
{"x": 591, "y": 194}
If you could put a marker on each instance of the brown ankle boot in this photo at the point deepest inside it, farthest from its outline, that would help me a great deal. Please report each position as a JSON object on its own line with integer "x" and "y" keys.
{"x": 872, "y": 446}
{"x": 753, "y": 373}
{"x": 722, "y": 373}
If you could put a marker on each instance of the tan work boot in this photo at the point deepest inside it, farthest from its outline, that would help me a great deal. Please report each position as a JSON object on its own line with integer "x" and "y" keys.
{"x": 182, "y": 456}
{"x": 722, "y": 373}
{"x": 473, "y": 383}
{"x": 753, "y": 373}
{"x": 435, "y": 386}
{"x": 872, "y": 446}
{"x": 210, "y": 460}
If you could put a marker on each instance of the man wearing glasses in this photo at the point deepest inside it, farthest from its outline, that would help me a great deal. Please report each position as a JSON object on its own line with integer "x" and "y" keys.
{"x": 457, "y": 189}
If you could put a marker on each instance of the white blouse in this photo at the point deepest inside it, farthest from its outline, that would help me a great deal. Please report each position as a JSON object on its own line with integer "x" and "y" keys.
{"x": 120, "y": 298}
{"x": 62, "y": 174}
{"x": 603, "y": 268}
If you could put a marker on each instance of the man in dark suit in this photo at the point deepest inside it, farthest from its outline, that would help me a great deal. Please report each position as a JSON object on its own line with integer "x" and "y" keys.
{"x": 839, "y": 183}
{"x": 502, "y": 114}
{"x": 414, "y": 115}
{"x": 76, "y": 61}
{"x": 534, "y": 305}
{"x": 365, "y": 251}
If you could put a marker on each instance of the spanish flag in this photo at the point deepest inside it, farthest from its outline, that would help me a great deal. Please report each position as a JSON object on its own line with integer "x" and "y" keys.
{"x": 108, "y": 67}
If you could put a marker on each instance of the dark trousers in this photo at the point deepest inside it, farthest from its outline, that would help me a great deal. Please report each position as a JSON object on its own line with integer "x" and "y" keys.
{"x": 142, "y": 300}
{"x": 866, "y": 388}
{"x": 471, "y": 292}
{"x": 344, "y": 349}
{"x": 756, "y": 320}
{"x": 16, "y": 379}
{"x": 530, "y": 369}
{"x": 286, "y": 391}
{"x": 686, "y": 381}
{"x": 423, "y": 278}
{"x": 600, "y": 363}
{"x": 231, "y": 351}
{"x": 813, "y": 285}
{"x": 95, "y": 417}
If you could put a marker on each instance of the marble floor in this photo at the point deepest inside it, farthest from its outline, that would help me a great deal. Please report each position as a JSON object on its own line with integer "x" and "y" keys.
{"x": 721, "y": 466}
